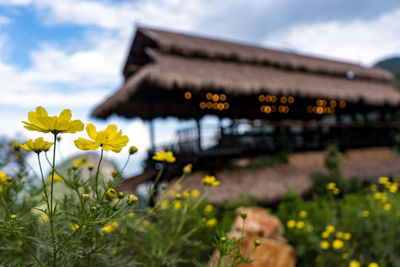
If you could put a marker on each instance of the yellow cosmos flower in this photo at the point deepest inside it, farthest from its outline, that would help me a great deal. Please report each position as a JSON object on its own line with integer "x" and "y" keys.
{"x": 188, "y": 168}
{"x": 166, "y": 156}
{"x": 57, "y": 178}
{"x": 208, "y": 208}
{"x": 4, "y": 179}
{"x": 325, "y": 234}
{"x": 336, "y": 191}
{"x": 393, "y": 188}
{"x": 324, "y": 245}
{"x": 303, "y": 213}
{"x": 330, "y": 228}
{"x": 195, "y": 193}
{"x": 186, "y": 194}
{"x": 354, "y": 263}
{"x": 365, "y": 213}
{"x": 211, "y": 223}
{"x": 108, "y": 228}
{"x": 331, "y": 186}
{"x": 110, "y": 193}
{"x": 82, "y": 161}
{"x": 299, "y": 224}
{"x": 210, "y": 180}
{"x": 41, "y": 122}
{"x": 291, "y": 223}
{"x": 337, "y": 244}
{"x": 373, "y": 264}
{"x": 346, "y": 236}
{"x": 339, "y": 234}
{"x": 387, "y": 206}
{"x": 383, "y": 180}
{"x": 177, "y": 205}
{"x": 109, "y": 139}
{"x": 164, "y": 204}
{"x": 37, "y": 146}
{"x": 75, "y": 227}
{"x": 345, "y": 256}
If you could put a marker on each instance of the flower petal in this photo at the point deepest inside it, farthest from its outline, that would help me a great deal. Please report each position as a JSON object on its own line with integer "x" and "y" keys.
{"x": 91, "y": 131}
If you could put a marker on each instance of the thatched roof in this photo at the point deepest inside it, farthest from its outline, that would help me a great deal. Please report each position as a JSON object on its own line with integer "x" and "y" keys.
{"x": 163, "y": 63}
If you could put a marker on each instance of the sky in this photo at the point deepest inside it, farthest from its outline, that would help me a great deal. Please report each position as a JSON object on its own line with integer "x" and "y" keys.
{"x": 70, "y": 53}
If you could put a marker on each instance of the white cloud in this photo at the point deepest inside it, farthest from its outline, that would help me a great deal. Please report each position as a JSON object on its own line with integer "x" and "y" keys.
{"x": 358, "y": 41}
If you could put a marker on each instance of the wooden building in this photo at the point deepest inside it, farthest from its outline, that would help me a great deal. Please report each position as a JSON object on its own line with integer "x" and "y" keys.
{"x": 312, "y": 102}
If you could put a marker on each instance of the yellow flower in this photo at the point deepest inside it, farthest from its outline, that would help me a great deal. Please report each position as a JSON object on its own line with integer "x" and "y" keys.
{"x": 210, "y": 180}
{"x": 146, "y": 223}
{"x": 303, "y": 213}
{"x": 346, "y": 236}
{"x": 166, "y": 156}
{"x": 331, "y": 186}
{"x": 378, "y": 195}
{"x": 37, "y": 146}
{"x": 177, "y": 205}
{"x": 373, "y": 264}
{"x": 336, "y": 191}
{"x": 57, "y": 178}
{"x": 373, "y": 187}
{"x": 208, "y": 208}
{"x": 299, "y": 224}
{"x": 130, "y": 214}
{"x": 132, "y": 150}
{"x": 345, "y": 256}
{"x": 41, "y": 122}
{"x": 4, "y": 179}
{"x": 108, "y": 228}
{"x": 393, "y": 188}
{"x": 339, "y": 234}
{"x": 186, "y": 194}
{"x": 330, "y": 228}
{"x": 337, "y": 244}
{"x": 75, "y": 227}
{"x": 383, "y": 180}
{"x": 291, "y": 223}
{"x": 188, "y": 168}
{"x": 383, "y": 198}
{"x": 44, "y": 218}
{"x": 324, "y": 245}
{"x": 111, "y": 193}
{"x": 325, "y": 234}
{"x": 80, "y": 162}
{"x": 164, "y": 204}
{"x": 109, "y": 139}
{"x": 132, "y": 199}
{"x": 365, "y": 213}
{"x": 387, "y": 206}
{"x": 211, "y": 223}
{"x": 354, "y": 263}
{"x": 195, "y": 193}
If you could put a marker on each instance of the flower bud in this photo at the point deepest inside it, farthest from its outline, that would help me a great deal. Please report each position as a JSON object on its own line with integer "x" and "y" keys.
{"x": 115, "y": 173}
{"x": 90, "y": 168}
{"x": 257, "y": 243}
{"x": 13, "y": 217}
{"x": 243, "y": 214}
{"x": 132, "y": 199}
{"x": 121, "y": 194}
{"x": 188, "y": 168}
{"x": 163, "y": 186}
{"x": 93, "y": 208}
{"x": 132, "y": 150}
{"x": 178, "y": 196}
{"x": 110, "y": 193}
{"x": 85, "y": 196}
{"x": 223, "y": 239}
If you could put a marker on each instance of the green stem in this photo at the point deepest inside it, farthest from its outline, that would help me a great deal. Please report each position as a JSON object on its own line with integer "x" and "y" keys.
{"x": 29, "y": 249}
{"x": 156, "y": 181}
{"x": 43, "y": 183}
{"x": 112, "y": 215}
{"x": 97, "y": 174}
{"x": 51, "y": 212}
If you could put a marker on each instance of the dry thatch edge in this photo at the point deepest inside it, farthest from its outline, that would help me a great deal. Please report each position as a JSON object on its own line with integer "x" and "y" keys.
{"x": 189, "y": 46}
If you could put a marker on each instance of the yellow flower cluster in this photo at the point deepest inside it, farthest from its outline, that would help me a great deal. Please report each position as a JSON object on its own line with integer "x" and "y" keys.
{"x": 391, "y": 187}
{"x": 210, "y": 180}
{"x": 37, "y": 146}
{"x": 333, "y": 188}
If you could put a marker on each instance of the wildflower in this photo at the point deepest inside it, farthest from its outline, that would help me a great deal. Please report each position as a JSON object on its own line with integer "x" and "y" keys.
{"x": 345, "y": 256}
{"x": 299, "y": 224}
{"x": 393, "y": 188}
{"x": 93, "y": 208}
{"x": 383, "y": 198}
{"x": 223, "y": 239}
{"x": 383, "y": 180}
{"x": 164, "y": 204}
{"x": 324, "y": 245}
{"x": 36, "y": 146}
{"x": 121, "y": 194}
{"x": 303, "y": 213}
{"x": 133, "y": 150}
{"x": 243, "y": 214}
{"x": 186, "y": 194}
{"x": 339, "y": 234}
{"x": 108, "y": 228}
{"x": 110, "y": 193}
{"x": 85, "y": 196}
{"x": 109, "y": 139}
{"x": 257, "y": 243}
{"x": 373, "y": 264}
{"x": 373, "y": 188}
{"x": 378, "y": 195}
{"x": 208, "y": 208}
{"x": 146, "y": 223}
{"x": 188, "y": 168}
{"x": 210, "y": 180}
{"x": 41, "y": 122}
{"x": 166, "y": 156}
{"x": 325, "y": 234}
{"x": 178, "y": 196}
{"x": 336, "y": 191}
{"x": 195, "y": 193}
{"x": 346, "y": 236}
{"x": 13, "y": 217}
{"x": 57, "y": 178}
{"x": 337, "y": 244}
{"x": 331, "y": 186}
{"x": 75, "y": 227}
{"x": 387, "y": 206}
{"x": 354, "y": 263}
{"x": 130, "y": 214}
{"x": 80, "y": 162}
{"x": 330, "y": 228}
{"x": 4, "y": 179}
{"x": 177, "y": 205}
{"x": 132, "y": 199}
{"x": 211, "y": 223}
{"x": 291, "y": 223}
{"x": 365, "y": 213}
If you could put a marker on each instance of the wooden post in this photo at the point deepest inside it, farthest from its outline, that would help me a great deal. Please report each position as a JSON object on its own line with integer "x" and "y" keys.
{"x": 198, "y": 134}
{"x": 151, "y": 125}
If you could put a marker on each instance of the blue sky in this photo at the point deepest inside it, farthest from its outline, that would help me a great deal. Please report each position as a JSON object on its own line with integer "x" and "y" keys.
{"x": 69, "y": 53}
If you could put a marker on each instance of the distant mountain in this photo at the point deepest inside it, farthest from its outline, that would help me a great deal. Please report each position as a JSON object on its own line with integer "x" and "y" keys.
{"x": 390, "y": 64}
